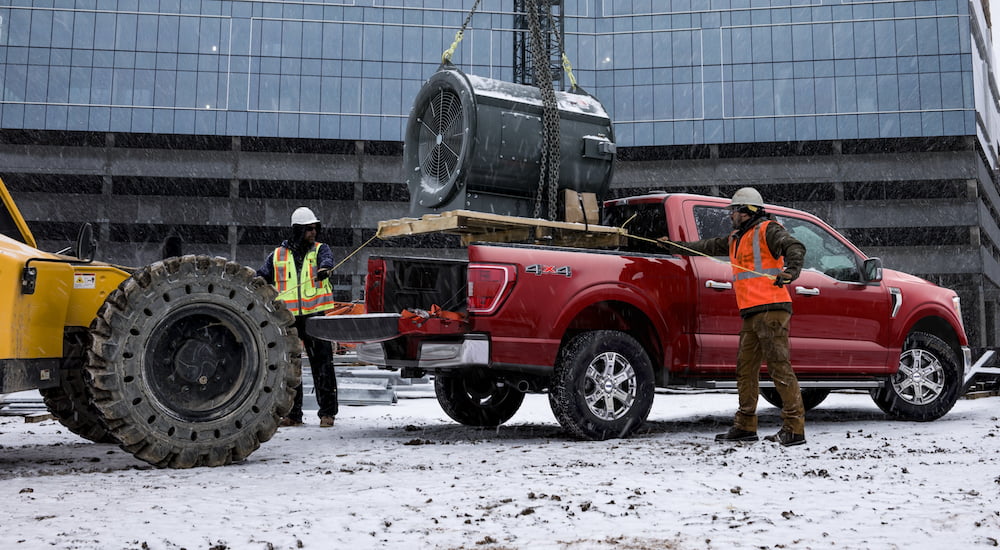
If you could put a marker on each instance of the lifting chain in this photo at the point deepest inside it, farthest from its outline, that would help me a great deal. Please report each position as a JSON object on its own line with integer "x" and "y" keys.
{"x": 446, "y": 55}
{"x": 548, "y": 179}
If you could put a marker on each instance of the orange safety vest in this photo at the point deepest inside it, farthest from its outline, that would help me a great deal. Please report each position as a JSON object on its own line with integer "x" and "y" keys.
{"x": 755, "y": 288}
{"x": 300, "y": 292}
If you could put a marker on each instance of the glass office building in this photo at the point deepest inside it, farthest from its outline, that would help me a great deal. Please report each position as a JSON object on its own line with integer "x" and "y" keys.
{"x": 214, "y": 119}
{"x": 674, "y": 72}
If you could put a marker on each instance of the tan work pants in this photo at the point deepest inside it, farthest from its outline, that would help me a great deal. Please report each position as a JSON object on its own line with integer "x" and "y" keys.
{"x": 764, "y": 338}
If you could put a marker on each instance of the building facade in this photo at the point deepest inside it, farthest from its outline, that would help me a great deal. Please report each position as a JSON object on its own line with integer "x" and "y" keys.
{"x": 213, "y": 120}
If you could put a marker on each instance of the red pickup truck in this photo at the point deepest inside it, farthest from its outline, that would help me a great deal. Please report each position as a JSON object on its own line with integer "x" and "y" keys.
{"x": 599, "y": 329}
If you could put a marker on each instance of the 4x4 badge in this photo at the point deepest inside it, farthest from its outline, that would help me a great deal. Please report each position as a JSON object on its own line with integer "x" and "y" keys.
{"x": 539, "y": 269}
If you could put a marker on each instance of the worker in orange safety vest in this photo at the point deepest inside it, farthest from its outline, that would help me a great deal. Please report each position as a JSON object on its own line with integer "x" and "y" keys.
{"x": 765, "y": 257}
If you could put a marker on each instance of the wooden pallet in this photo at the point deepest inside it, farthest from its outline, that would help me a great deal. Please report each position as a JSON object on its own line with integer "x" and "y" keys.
{"x": 485, "y": 227}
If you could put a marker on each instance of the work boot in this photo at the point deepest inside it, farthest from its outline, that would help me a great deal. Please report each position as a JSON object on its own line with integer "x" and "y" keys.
{"x": 326, "y": 422}
{"x": 787, "y": 438}
{"x": 287, "y": 421}
{"x": 737, "y": 434}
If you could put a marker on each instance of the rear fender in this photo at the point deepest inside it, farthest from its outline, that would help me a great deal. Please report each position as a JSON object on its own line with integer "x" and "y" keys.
{"x": 617, "y": 307}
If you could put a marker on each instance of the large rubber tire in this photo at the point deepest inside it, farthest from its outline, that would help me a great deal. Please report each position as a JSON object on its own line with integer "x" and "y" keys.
{"x": 928, "y": 383}
{"x": 603, "y": 385}
{"x": 476, "y": 398}
{"x": 70, "y": 402}
{"x": 193, "y": 362}
{"x": 811, "y": 397}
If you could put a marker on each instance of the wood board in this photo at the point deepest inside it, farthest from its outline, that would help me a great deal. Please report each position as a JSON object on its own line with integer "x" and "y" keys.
{"x": 486, "y": 227}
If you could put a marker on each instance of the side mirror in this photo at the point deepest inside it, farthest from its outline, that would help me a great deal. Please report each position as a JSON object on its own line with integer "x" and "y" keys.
{"x": 872, "y": 270}
{"x": 86, "y": 245}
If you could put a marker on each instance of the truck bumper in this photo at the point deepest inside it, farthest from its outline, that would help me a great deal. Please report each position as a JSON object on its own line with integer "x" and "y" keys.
{"x": 472, "y": 350}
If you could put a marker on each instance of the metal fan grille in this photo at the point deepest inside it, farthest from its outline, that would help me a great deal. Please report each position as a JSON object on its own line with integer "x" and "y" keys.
{"x": 440, "y": 138}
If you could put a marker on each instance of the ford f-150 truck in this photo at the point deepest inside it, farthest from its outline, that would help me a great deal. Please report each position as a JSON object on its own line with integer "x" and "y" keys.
{"x": 599, "y": 329}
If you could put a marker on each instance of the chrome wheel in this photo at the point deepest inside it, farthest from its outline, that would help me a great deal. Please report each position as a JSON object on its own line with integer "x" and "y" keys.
{"x": 610, "y": 386}
{"x": 603, "y": 385}
{"x": 921, "y": 377}
{"x": 928, "y": 382}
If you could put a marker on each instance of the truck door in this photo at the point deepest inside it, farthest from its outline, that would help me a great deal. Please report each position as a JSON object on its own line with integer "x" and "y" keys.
{"x": 840, "y": 322}
{"x": 717, "y": 319}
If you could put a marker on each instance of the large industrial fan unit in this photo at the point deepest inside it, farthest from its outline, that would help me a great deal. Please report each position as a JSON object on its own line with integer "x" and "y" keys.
{"x": 475, "y": 143}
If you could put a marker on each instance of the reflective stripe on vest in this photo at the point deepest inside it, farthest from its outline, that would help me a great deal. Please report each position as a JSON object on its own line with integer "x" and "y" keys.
{"x": 755, "y": 288}
{"x": 307, "y": 297}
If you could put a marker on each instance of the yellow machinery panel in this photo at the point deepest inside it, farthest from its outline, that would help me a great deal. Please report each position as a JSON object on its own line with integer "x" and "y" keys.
{"x": 33, "y": 323}
{"x": 90, "y": 287}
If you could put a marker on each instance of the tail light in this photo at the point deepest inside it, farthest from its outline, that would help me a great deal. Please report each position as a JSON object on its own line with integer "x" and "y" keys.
{"x": 375, "y": 286}
{"x": 489, "y": 285}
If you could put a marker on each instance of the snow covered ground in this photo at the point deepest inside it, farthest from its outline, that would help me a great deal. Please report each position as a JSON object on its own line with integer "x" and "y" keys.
{"x": 405, "y": 476}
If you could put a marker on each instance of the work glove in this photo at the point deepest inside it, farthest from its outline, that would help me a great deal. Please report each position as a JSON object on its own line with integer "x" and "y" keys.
{"x": 783, "y": 278}
{"x": 322, "y": 274}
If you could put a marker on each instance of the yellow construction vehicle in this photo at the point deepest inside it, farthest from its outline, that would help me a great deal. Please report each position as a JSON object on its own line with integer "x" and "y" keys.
{"x": 189, "y": 361}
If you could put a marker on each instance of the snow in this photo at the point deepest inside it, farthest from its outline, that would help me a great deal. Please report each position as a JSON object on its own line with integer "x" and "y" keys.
{"x": 530, "y": 95}
{"x": 406, "y": 476}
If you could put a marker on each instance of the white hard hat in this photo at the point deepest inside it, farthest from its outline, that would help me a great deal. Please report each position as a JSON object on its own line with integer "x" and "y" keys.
{"x": 303, "y": 216}
{"x": 747, "y": 196}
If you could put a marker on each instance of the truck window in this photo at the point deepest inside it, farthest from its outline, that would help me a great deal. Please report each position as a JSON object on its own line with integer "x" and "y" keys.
{"x": 643, "y": 220}
{"x": 712, "y": 222}
{"x": 824, "y": 252}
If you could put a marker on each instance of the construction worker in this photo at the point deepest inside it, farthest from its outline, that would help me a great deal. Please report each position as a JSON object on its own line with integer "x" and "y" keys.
{"x": 765, "y": 257}
{"x": 300, "y": 270}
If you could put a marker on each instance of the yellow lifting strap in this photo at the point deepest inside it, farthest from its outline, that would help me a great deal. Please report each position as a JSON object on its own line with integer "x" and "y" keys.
{"x": 446, "y": 55}
{"x": 568, "y": 69}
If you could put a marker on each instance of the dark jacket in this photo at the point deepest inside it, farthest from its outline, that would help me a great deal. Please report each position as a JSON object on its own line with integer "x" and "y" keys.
{"x": 779, "y": 243}
{"x": 324, "y": 260}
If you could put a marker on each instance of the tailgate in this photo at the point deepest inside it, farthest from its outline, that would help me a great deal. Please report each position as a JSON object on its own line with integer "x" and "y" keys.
{"x": 406, "y": 297}
{"x": 379, "y": 327}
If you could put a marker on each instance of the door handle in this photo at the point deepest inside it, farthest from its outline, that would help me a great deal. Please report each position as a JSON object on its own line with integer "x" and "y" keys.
{"x": 807, "y": 291}
{"x": 717, "y": 285}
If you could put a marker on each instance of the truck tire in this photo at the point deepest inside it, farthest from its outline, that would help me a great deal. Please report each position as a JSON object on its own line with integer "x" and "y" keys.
{"x": 70, "y": 402}
{"x": 603, "y": 385}
{"x": 811, "y": 397}
{"x": 476, "y": 399}
{"x": 928, "y": 382}
{"x": 193, "y": 362}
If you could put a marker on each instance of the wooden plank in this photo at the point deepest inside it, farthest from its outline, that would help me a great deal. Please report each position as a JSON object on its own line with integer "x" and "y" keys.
{"x": 38, "y": 417}
{"x": 484, "y": 226}
{"x": 516, "y": 235}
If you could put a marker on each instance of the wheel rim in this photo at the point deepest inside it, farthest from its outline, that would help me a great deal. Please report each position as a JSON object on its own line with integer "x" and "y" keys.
{"x": 197, "y": 363}
{"x": 610, "y": 386}
{"x": 921, "y": 377}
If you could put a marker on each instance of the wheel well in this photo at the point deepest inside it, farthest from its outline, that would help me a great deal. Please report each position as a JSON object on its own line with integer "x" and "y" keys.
{"x": 940, "y": 328}
{"x": 614, "y": 315}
